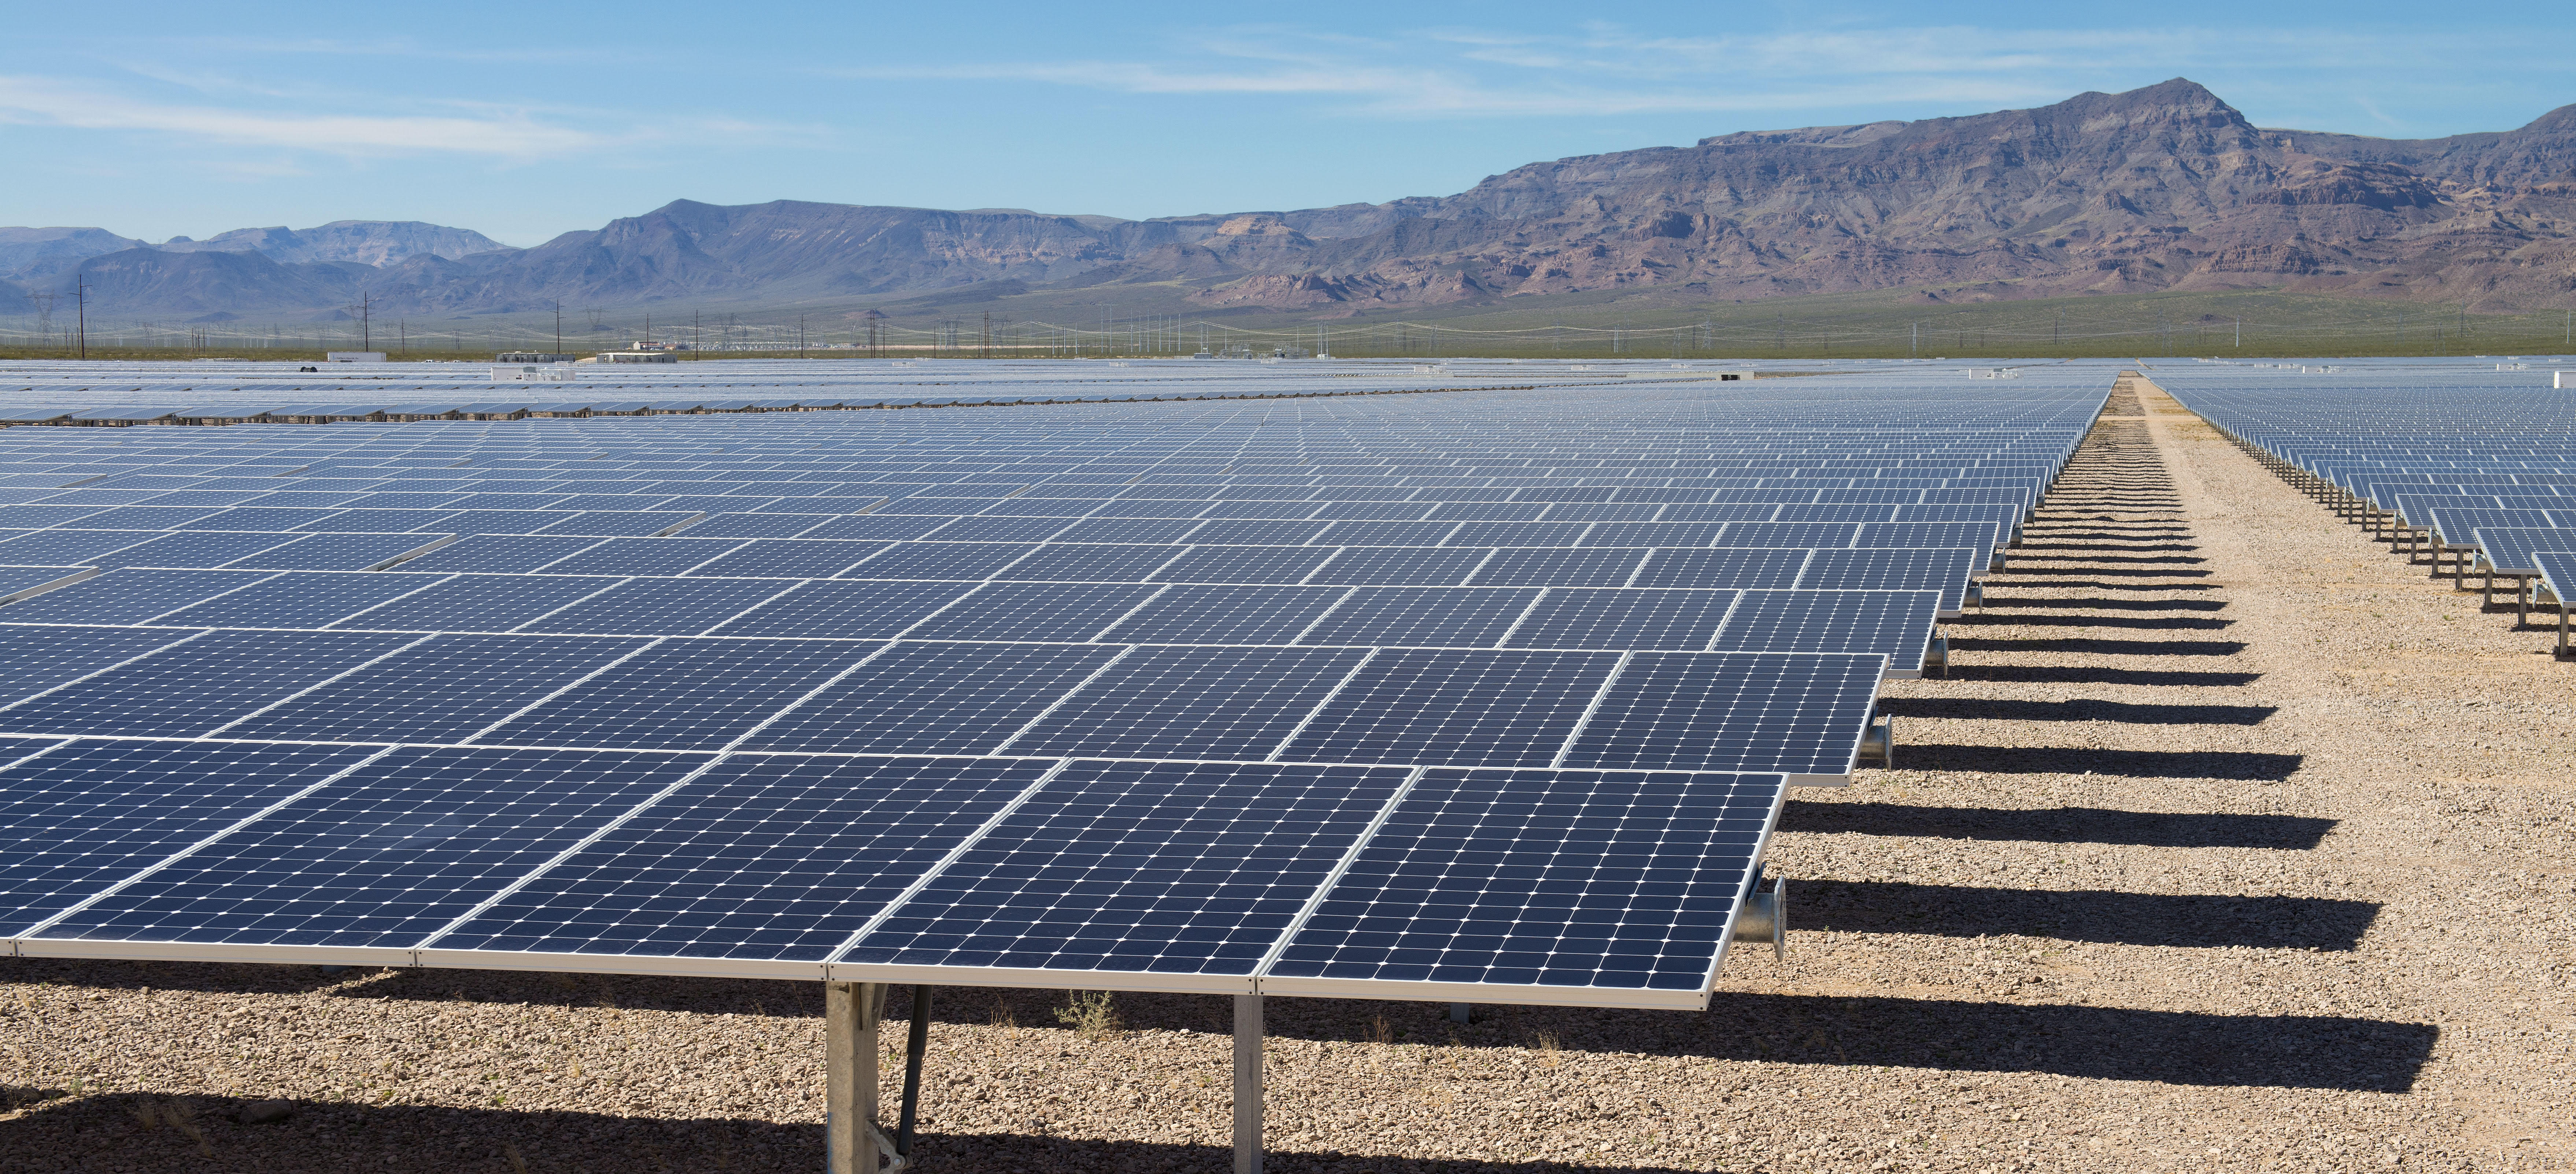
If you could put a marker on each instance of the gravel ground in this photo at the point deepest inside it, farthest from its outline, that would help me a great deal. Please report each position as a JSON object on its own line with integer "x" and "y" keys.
{"x": 2233, "y": 843}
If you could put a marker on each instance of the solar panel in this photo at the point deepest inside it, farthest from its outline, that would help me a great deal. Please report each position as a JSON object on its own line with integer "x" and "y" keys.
{"x": 1574, "y": 887}
{"x": 934, "y": 699}
{"x": 127, "y": 596}
{"x": 1206, "y": 653}
{"x": 1168, "y": 872}
{"x": 682, "y": 694}
{"x": 88, "y": 814}
{"x": 191, "y": 687}
{"x": 381, "y": 857}
{"x": 765, "y": 858}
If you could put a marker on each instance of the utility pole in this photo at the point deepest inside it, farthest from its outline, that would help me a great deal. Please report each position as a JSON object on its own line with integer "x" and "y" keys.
{"x": 80, "y": 294}
{"x": 988, "y": 334}
{"x": 559, "y": 326}
{"x": 2240, "y": 332}
{"x": 800, "y": 336}
{"x": 402, "y": 337}
{"x": 693, "y": 330}
{"x": 1914, "y": 345}
{"x": 2057, "y": 333}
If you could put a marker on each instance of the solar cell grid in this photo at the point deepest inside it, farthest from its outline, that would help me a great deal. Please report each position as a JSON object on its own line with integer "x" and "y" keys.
{"x": 764, "y": 857}
{"x": 88, "y": 814}
{"x": 1238, "y": 503}
{"x": 443, "y": 689}
{"x": 1167, "y": 870}
{"x": 682, "y": 694}
{"x": 929, "y": 698}
{"x": 383, "y": 857}
{"x": 190, "y": 687}
{"x": 1585, "y": 884}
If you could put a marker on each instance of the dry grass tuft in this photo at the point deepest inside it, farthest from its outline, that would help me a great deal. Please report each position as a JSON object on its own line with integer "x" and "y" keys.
{"x": 1093, "y": 1015}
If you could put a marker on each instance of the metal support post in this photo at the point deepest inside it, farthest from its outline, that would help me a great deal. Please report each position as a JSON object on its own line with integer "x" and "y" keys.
{"x": 1247, "y": 1084}
{"x": 913, "y": 1050}
{"x": 852, "y": 1144}
{"x": 1460, "y": 1012}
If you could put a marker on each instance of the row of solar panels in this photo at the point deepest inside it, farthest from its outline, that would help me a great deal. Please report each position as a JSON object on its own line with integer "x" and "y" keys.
{"x": 1296, "y": 766}
{"x": 2450, "y": 471}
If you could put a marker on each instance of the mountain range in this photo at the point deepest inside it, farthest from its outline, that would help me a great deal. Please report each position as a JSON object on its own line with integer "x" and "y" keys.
{"x": 2162, "y": 188}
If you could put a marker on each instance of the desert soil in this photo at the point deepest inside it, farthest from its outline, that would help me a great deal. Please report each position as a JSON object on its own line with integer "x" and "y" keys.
{"x": 2231, "y": 843}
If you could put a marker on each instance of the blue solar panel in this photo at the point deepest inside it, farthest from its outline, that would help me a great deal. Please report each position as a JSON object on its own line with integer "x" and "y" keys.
{"x": 684, "y": 694}
{"x": 69, "y": 547}
{"x": 127, "y": 596}
{"x": 500, "y": 554}
{"x": 1190, "y": 614}
{"x": 308, "y": 600}
{"x": 1680, "y": 620}
{"x": 91, "y": 813}
{"x": 1035, "y": 611}
{"x": 1223, "y": 532}
{"x": 1400, "y": 566}
{"x": 195, "y": 549}
{"x": 1508, "y": 708}
{"x": 1730, "y": 711}
{"x": 1109, "y": 564}
{"x": 384, "y": 856}
{"x": 1244, "y": 564}
{"x": 763, "y": 857}
{"x": 338, "y": 552}
{"x": 475, "y": 603}
{"x": 934, "y": 699}
{"x": 34, "y": 659}
{"x": 1895, "y": 624}
{"x": 757, "y": 525}
{"x": 876, "y": 526}
{"x": 790, "y": 558}
{"x": 847, "y": 610}
{"x": 372, "y": 521}
{"x": 1577, "y": 567}
{"x": 645, "y": 556}
{"x": 940, "y": 560}
{"x": 661, "y": 607}
{"x": 1575, "y": 880}
{"x": 1166, "y": 869}
{"x": 442, "y": 690}
{"x": 192, "y": 687}
{"x": 1191, "y": 703}
{"x": 1737, "y": 568}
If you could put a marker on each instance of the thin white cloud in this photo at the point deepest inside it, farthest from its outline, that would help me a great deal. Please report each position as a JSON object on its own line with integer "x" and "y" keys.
{"x": 1604, "y": 69}
{"x": 53, "y": 102}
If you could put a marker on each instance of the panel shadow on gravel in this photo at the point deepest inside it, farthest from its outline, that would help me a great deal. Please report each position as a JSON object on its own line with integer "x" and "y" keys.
{"x": 2194, "y": 920}
{"x": 2086, "y": 619}
{"x": 2077, "y": 710}
{"x": 2106, "y": 604}
{"x": 2094, "y": 1043}
{"x": 2096, "y": 547}
{"x": 2060, "y": 825}
{"x": 2076, "y": 760}
{"x": 2093, "y": 585}
{"x": 2080, "y": 674}
{"x": 2097, "y": 646}
{"x": 101, "y": 1133}
{"x": 2095, "y": 555}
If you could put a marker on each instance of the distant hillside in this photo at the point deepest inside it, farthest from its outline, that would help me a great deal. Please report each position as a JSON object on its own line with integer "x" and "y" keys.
{"x": 2161, "y": 188}
{"x": 367, "y": 242}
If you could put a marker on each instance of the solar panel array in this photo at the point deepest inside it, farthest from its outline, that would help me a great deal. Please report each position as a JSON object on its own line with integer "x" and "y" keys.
{"x": 2476, "y": 466}
{"x": 1482, "y": 695}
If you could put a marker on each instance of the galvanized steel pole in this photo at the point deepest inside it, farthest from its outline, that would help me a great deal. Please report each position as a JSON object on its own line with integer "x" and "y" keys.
{"x": 1247, "y": 1084}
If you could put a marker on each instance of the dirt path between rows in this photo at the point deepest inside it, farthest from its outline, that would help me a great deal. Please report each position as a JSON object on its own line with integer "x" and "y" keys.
{"x": 2231, "y": 843}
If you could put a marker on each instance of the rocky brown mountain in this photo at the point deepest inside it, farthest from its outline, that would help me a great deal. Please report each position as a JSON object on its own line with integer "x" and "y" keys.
{"x": 2165, "y": 187}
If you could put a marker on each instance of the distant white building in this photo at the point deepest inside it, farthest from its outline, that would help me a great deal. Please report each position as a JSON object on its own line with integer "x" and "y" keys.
{"x": 353, "y": 356}
{"x": 534, "y": 373}
{"x": 638, "y": 357}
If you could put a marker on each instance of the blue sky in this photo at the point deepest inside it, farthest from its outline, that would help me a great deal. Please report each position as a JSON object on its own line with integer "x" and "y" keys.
{"x": 155, "y": 120}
